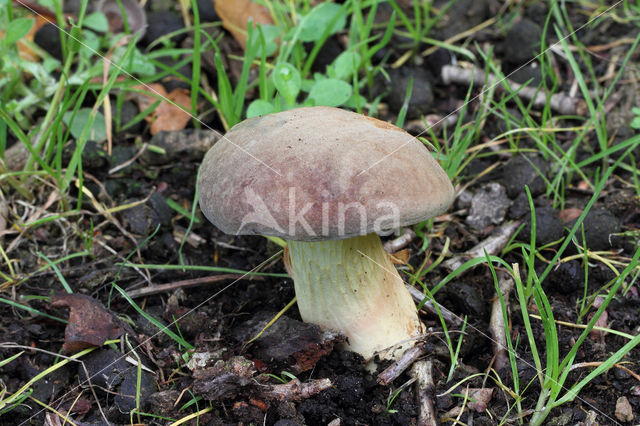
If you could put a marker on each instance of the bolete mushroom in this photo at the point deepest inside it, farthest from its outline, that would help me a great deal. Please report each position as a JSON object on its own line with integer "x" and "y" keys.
{"x": 328, "y": 181}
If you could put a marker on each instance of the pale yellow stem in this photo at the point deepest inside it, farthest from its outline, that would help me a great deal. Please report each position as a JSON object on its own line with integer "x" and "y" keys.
{"x": 351, "y": 286}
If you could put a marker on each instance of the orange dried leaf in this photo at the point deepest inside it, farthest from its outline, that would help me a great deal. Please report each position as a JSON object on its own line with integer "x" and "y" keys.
{"x": 401, "y": 257}
{"x": 235, "y": 15}
{"x": 166, "y": 117}
{"x": 170, "y": 117}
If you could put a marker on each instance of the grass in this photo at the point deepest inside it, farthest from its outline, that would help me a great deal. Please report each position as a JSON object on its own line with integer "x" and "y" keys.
{"x": 275, "y": 74}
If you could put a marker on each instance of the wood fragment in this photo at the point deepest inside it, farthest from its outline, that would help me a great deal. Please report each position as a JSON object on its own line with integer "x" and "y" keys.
{"x": 559, "y": 102}
{"x": 497, "y": 326}
{"x": 397, "y": 368}
{"x": 422, "y": 372}
{"x": 430, "y": 306}
{"x": 400, "y": 242}
{"x": 492, "y": 245}
{"x": 161, "y": 288}
{"x": 599, "y": 363}
{"x": 294, "y": 390}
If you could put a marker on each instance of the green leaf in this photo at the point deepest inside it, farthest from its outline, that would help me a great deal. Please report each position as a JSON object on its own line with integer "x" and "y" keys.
{"x": 330, "y": 92}
{"x": 97, "y": 132}
{"x": 271, "y": 34}
{"x": 136, "y": 63}
{"x": 75, "y": 38}
{"x": 17, "y": 29}
{"x": 287, "y": 80}
{"x": 259, "y": 107}
{"x": 97, "y": 21}
{"x": 319, "y": 18}
{"x": 346, "y": 64}
{"x": 90, "y": 45}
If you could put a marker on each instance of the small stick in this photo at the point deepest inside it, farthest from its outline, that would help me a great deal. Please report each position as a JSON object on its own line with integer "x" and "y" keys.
{"x": 401, "y": 242}
{"x": 492, "y": 245}
{"x": 397, "y": 368}
{"x": 430, "y": 307}
{"x": 129, "y": 161}
{"x": 161, "y": 288}
{"x": 295, "y": 390}
{"x": 560, "y": 102}
{"x": 497, "y": 327}
{"x": 422, "y": 372}
{"x": 599, "y": 363}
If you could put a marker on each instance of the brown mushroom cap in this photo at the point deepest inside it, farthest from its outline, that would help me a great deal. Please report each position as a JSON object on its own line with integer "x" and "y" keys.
{"x": 319, "y": 173}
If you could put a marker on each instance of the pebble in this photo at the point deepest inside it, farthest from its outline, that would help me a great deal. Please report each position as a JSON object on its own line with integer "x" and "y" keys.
{"x": 548, "y": 226}
{"x": 624, "y": 412}
{"x": 520, "y": 172}
{"x": 599, "y": 224}
{"x": 488, "y": 206}
{"x": 421, "y": 100}
{"x": 522, "y": 41}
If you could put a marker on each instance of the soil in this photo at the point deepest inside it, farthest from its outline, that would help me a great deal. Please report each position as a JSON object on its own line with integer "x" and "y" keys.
{"x": 241, "y": 379}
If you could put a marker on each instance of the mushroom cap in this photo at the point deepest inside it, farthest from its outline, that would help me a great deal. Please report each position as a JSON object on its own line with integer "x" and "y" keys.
{"x": 318, "y": 173}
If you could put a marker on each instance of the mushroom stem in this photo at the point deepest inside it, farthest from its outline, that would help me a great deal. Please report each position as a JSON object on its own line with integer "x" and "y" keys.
{"x": 351, "y": 286}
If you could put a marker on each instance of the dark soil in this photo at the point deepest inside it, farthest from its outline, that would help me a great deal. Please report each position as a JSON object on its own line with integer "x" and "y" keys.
{"x": 220, "y": 317}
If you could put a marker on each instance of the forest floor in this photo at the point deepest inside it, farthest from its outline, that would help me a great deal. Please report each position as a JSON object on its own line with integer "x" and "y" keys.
{"x": 111, "y": 272}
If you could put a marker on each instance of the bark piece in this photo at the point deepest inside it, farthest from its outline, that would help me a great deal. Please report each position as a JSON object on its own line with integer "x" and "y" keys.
{"x": 295, "y": 390}
{"x": 288, "y": 344}
{"x": 225, "y": 379}
{"x": 422, "y": 371}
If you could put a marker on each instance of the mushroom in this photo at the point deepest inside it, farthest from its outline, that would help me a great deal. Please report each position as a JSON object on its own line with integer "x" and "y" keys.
{"x": 329, "y": 181}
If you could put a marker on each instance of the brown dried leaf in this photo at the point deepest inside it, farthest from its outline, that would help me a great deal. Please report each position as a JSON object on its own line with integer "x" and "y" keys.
{"x": 401, "y": 257}
{"x": 236, "y": 13}
{"x": 480, "y": 398}
{"x": 166, "y": 117}
{"x": 90, "y": 324}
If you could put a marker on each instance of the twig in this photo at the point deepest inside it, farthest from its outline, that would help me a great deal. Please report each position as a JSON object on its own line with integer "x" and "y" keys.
{"x": 430, "y": 307}
{"x": 559, "y": 102}
{"x": 397, "y": 368}
{"x": 497, "y": 327}
{"x": 431, "y": 122}
{"x": 400, "y": 242}
{"x": 598, "y": 363}
{"x": 161, "y": 288}
{"x": 130, "y": 160}
{"x": 295, "y": 390}
{"x": 492, "y": 245}
{"x": 422, "y": 372}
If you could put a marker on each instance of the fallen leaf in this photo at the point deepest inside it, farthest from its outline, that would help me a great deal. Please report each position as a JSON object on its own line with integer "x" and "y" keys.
{"x": 167, "y": 116}
{"x": 235, "y": 15}
{"x": 90, "y": 324}
{"x": 479, "y": 398}
{"x": 401, "y": 257}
